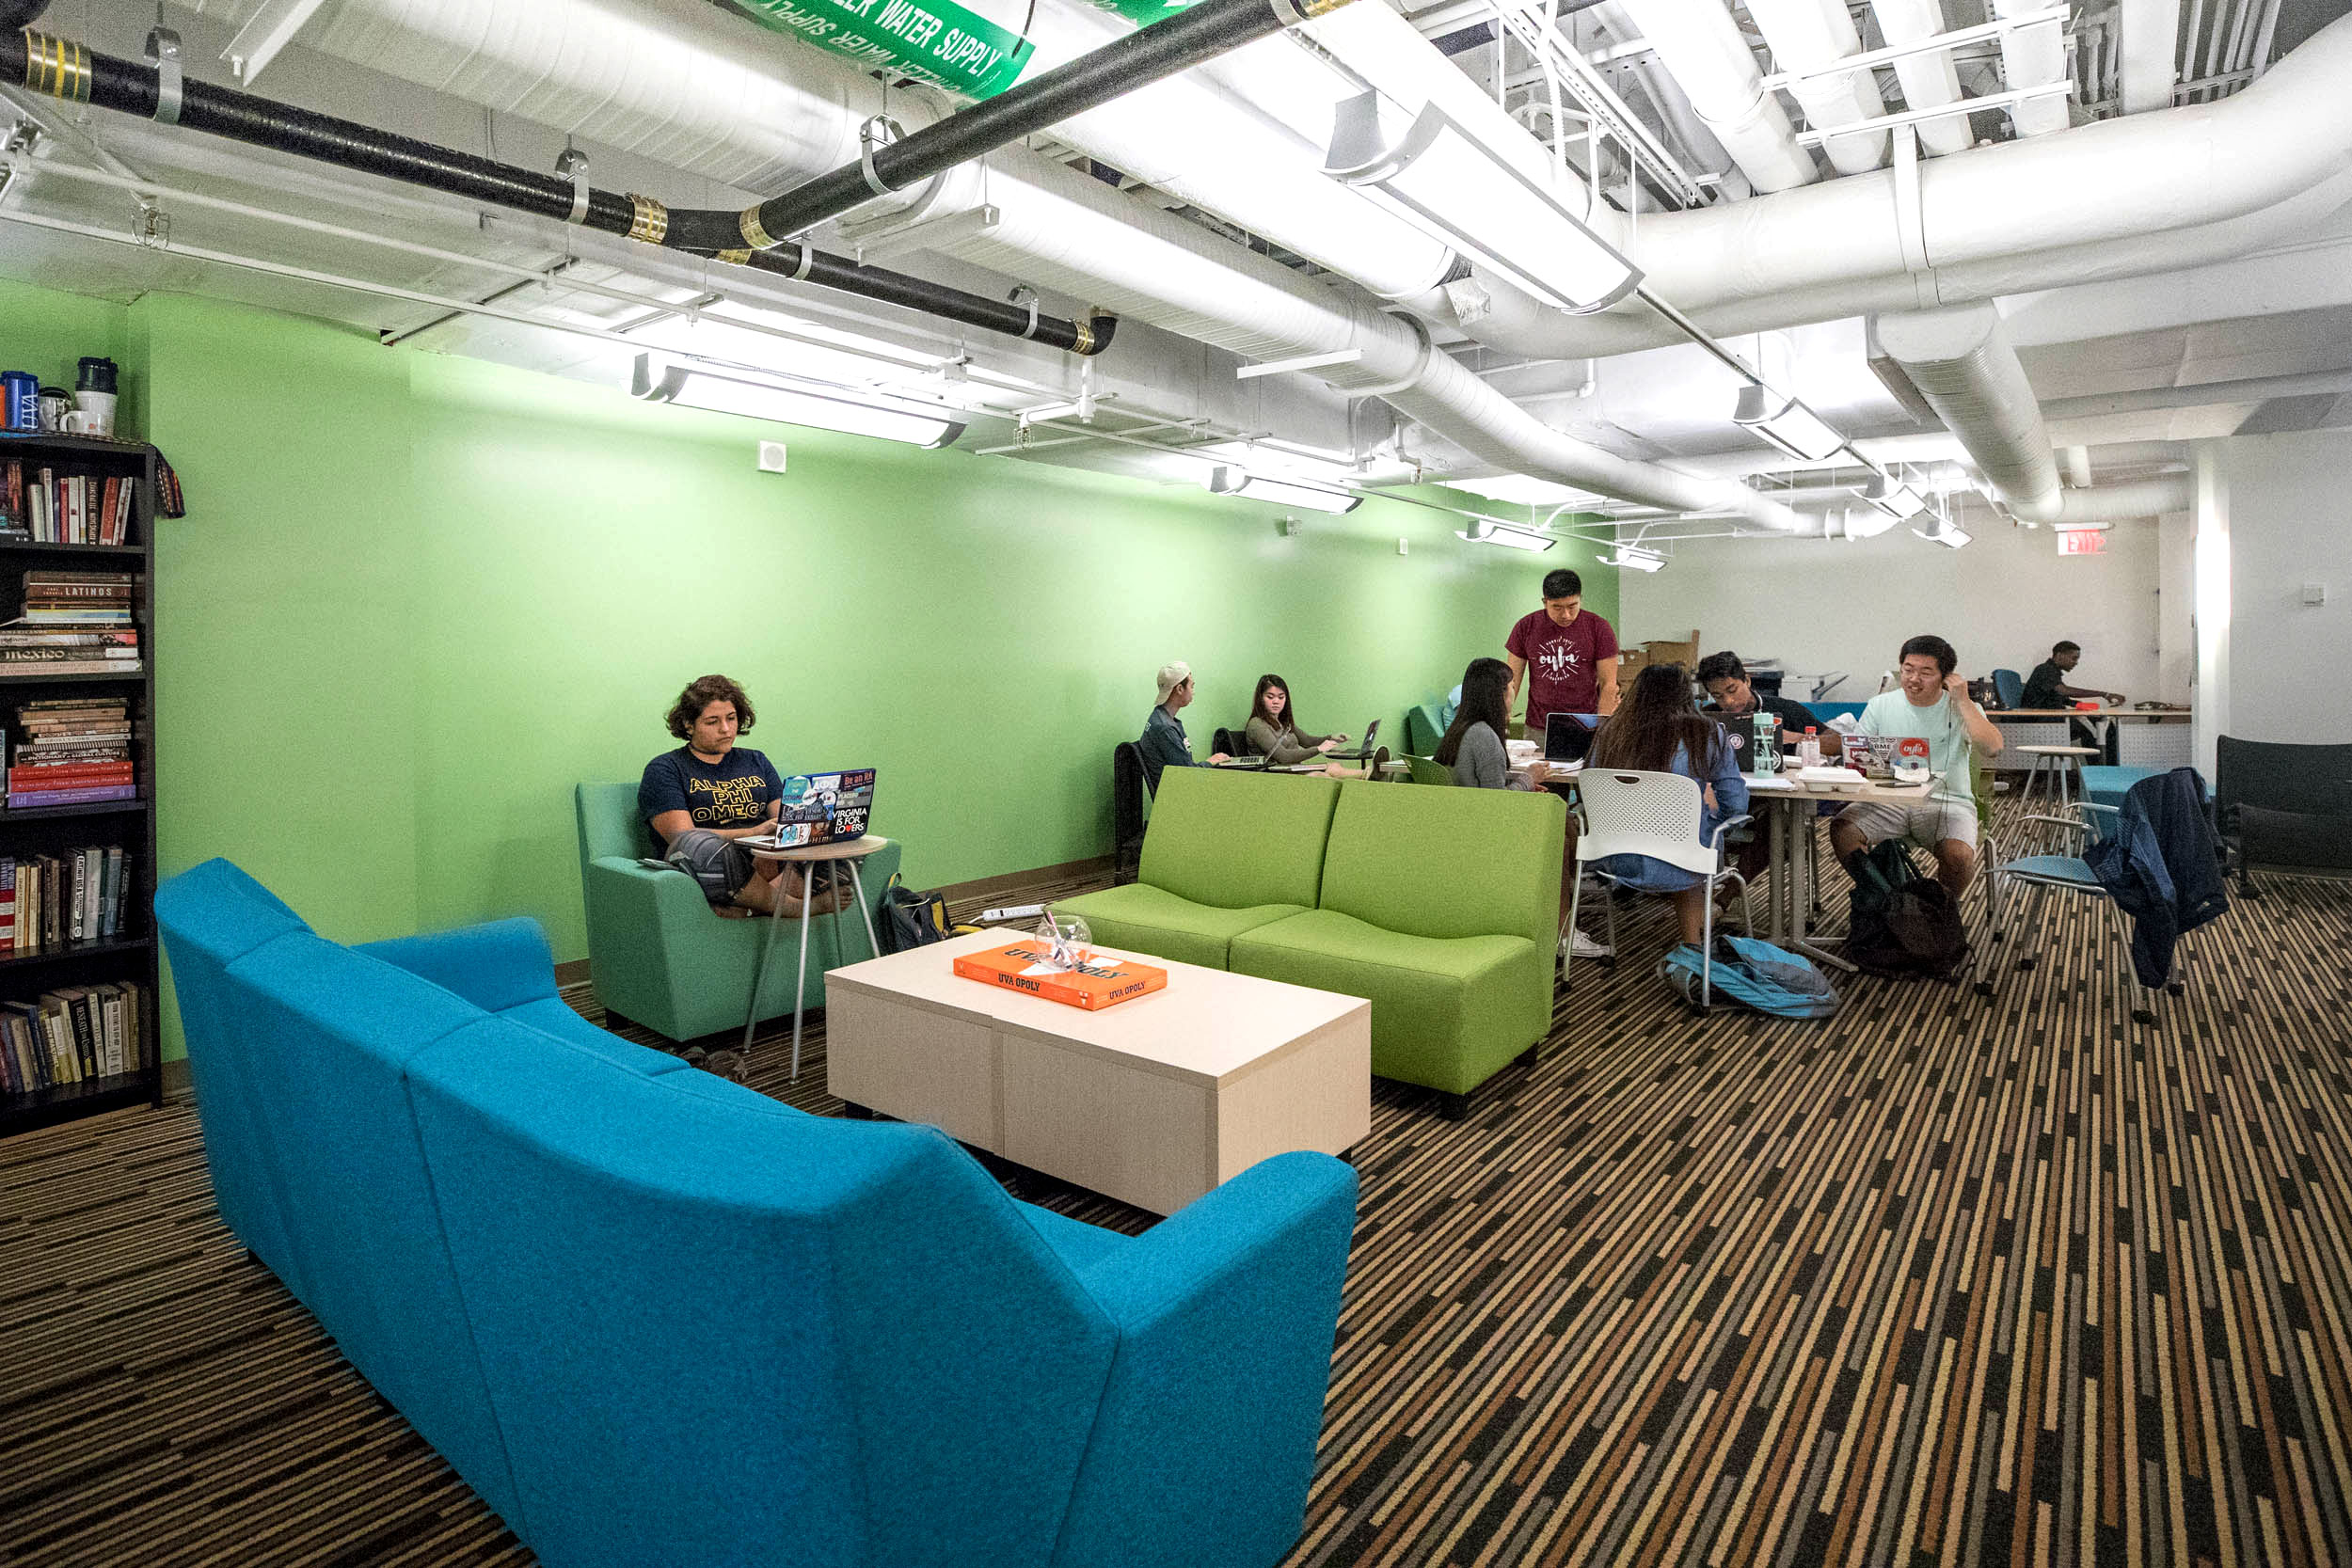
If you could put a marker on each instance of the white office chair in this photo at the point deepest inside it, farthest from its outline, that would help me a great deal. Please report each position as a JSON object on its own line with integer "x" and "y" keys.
{"x": 1655, "y": 815}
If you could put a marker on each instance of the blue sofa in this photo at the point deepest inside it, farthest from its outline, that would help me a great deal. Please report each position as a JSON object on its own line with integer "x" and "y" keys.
{"x": 656, "y": 1319}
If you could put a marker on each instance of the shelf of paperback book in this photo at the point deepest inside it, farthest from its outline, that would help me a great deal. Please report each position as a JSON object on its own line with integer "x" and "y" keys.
{"x": 22, "y": 1113}
{"x": 73, "y": 680}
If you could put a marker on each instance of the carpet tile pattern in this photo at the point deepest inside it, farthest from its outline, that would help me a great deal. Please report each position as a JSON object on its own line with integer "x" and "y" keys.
{"x": 1942, "y": 1280}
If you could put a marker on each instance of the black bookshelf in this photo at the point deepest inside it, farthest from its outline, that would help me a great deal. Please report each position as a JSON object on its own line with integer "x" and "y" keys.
{"x": 133, "y": 954}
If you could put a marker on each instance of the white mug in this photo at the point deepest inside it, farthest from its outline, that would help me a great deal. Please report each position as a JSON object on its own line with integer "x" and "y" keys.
{"x": 80, "y": 422}
{"x": 97, "y": 409}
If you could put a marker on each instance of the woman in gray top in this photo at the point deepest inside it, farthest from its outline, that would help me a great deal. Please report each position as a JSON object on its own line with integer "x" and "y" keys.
{"x": 1273, "y": 729}
{"x": 1473, "y": 746}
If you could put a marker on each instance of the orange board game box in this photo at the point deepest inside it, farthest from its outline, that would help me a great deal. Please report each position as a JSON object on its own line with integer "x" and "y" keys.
{"x": 1102, "y": 981}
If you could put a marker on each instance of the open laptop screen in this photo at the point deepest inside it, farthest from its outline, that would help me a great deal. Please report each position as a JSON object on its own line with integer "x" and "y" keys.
{"x": 1568, "y": 736}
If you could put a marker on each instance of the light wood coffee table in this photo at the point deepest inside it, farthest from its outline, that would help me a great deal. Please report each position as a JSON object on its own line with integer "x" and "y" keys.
{"x": 1153, "y": 1101}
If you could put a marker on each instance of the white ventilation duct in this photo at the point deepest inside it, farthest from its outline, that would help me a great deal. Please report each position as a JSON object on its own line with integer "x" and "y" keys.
{"x": 1929, "y": 79}
{"x": 1026, "y": 216}
{"x": 1814, "y": 35}
{"x": 2151, "y": 32}
{"x": 1701, "y": 48}
{"x": 2032, "y": 58}
{"x": 1966, "y": 370}
{"x": 2118, "y": 198}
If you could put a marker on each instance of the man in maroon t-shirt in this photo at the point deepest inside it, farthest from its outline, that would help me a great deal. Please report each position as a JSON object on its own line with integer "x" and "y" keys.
{"x": 1567, "y": 659}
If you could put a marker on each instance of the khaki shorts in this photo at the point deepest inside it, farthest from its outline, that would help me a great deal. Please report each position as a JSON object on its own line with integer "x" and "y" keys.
{"x": 1926, "y": 825}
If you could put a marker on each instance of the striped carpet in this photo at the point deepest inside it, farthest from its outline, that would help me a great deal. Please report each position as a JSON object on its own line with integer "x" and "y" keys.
{"x": 1942, "y": 1280}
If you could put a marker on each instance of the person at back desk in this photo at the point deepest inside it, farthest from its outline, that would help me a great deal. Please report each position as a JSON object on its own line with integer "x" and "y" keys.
{"x": 2046, "y": 687}
{"x": 1164, "y": 743}
{"x": 1472, "y": 746}
{"x": 1273, "y": 729}
{"x": 1727, "y": 687}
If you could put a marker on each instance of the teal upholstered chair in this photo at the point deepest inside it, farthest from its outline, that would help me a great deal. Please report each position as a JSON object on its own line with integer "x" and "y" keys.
{"x": 660, "y": 955}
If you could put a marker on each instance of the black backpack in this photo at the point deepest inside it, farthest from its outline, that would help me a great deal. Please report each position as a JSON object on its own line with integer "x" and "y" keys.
{"x": 1903, "y": 924}
{"x": 904, "y": 918}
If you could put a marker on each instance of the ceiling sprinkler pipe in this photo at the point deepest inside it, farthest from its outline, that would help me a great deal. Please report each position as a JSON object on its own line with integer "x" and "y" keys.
{"x": 1190, "y": 38}
{"x": 64, "y": 69}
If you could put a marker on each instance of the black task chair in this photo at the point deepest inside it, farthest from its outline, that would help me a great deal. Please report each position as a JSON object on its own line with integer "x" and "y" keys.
{"x": 2281, "y": 806}
{"x": 1231, "y": 743}
{"x": 1129, "y": 791}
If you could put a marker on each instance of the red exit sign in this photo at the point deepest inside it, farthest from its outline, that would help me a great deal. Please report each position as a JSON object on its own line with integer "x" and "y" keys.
{"x": 2082, "y": 541}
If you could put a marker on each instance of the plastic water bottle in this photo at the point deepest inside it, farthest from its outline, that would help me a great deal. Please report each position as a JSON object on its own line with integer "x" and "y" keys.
{"x": 1809, "y": 750}
{"x": 1766, "y": 762}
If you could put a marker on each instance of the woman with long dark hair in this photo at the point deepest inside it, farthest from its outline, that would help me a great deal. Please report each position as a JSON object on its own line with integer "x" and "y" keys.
{"x": 1273, "y": 730}
{"x": 1472, "y": 745}
{"x": 1657, "y": 729}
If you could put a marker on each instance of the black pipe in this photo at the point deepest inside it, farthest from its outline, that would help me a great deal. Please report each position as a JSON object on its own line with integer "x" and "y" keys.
{"x": 21, "y": 13}
{"x": 64, "y": 69}
{"x": 916, "y": 293}
{"x": 1146, "y": 55}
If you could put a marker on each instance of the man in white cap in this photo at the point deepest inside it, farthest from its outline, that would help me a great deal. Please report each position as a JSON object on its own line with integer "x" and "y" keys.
{"x": 1164, "y": 744}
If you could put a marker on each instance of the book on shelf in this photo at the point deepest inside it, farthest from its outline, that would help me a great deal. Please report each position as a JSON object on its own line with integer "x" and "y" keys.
{"x": 53, "y": 901}
{"x": 45, "y": 505}
{"x": 73, "y": 1035}
{"x": 74, "y": 751}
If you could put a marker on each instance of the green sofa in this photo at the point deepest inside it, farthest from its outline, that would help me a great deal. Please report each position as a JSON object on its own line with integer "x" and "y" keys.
{"x": 662, "y": 956}
{"x": 1224, "y": 853}
{"x": 1440, "y": 906}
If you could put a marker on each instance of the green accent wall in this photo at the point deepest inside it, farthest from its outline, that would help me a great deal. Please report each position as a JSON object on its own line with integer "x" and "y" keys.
{"x": 416, "y": 598}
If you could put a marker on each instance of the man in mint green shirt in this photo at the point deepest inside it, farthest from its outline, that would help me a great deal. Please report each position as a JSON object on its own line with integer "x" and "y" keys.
{"x": 1932, "y": 704}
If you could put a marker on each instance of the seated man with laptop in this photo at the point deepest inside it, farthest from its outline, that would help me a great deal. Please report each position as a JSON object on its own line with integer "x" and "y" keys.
{"x": 703, "y": 799}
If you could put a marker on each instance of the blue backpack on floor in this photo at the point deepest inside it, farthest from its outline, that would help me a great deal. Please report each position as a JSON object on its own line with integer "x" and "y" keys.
{"x": 1756, "y": 974}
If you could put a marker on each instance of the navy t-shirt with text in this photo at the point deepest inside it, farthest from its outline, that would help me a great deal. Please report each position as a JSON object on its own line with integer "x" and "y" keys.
{"x": 735, "y": 792}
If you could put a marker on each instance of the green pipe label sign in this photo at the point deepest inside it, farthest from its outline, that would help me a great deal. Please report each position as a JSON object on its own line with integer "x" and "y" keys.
{"x": 1141, "y": 12}
{"x": 935, "y": 41}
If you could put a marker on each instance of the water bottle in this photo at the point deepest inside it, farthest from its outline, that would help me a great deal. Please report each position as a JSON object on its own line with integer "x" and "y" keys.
{"x": 1766, "y": 762}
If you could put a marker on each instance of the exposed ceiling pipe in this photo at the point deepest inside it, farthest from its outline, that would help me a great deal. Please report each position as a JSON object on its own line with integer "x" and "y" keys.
{"x": 1182, "y": 40}
{"x": 2151, "y": 34}
{"x": 1927, "y": 79}
{"x": 1702, "y": 50}
{"x": 2118, "y": 198}
{"x": 1965, "y": 368}
{"x": 2032, "y": 58}
{"x": 1811, "y": 36}
{"x": 68, "y": 70}
{"x": 1061, "y": 229}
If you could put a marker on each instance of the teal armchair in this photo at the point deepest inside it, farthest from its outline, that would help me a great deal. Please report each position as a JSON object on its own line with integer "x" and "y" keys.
{"x": 661, "y": 957}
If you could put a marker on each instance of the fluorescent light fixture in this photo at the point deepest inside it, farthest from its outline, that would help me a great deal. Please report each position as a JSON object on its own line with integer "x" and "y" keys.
{"x": 1484, "y": 532}
{"x": 1230, "y": 481}
{"x": 1639, "y": 559}
{"x": 1445, "y": 182}
{"x": 740, "y": 392}
{"x": 1787, "y": 424}
{"x": 1949, "y": 535}
{"x": 1891, "y": 496}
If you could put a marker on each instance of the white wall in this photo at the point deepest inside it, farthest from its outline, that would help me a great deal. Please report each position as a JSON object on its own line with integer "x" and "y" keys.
{"x": 2002, "y": 600}
{"x": 2289, "y": 523}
